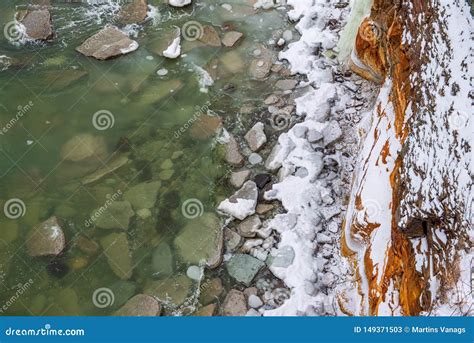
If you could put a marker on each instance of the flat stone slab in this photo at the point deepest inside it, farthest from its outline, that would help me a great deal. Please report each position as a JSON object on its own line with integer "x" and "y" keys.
{"x": 37, "y": 23}
{"x": 107, "y": 43}
{"x": 243, "y": 268}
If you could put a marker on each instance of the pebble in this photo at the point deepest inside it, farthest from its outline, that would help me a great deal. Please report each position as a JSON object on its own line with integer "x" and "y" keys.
{"x": 261, "y": 180}
{"x": 234, "y": 304}
{"x": 254, "y": 301}
{"x": 255, "y": 158}
{"x": 256, "y": 137}
{"x": 248, "y": 228}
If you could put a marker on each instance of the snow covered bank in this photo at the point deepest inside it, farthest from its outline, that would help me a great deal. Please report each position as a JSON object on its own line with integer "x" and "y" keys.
{"x": 309, "y": 155}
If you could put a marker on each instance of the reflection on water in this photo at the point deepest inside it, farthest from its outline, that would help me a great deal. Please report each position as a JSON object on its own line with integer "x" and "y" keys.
{"x": 122, "y": 152}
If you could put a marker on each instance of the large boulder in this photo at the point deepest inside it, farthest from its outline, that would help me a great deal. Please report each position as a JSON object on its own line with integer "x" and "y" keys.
{"x": 107, "y": 43}
{"x": 46, "y": 239}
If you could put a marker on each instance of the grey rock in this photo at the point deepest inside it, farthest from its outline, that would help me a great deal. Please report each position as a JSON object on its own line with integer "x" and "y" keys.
{"x": 254, "y": 301}
{"x": 234, "y": 304}
{"x": 256, "y": 137}
{"x": 261, "y": 67}
{"x": 242, "y": 203}
{"x": 107, "y": 43}
{"x": 237, "y": 179}
{"x": 248, "y": 228}
{"x": 134, "y": 12}
{"x": 143, "y": 195}
{"x": 114, "y": 216}
{"x": 285, "y": 85}
{"x": 332, "y": 132}
{"x": 141, "y": 305}
{"x": 243, "y": 268}
{"x": 162, "y": 261}
{"x": 46, "y": 239}
{"x": 255, "y": 158}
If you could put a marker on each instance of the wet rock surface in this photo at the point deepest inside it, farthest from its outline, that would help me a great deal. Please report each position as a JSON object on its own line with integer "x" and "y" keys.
{"x": 46, "y": 239}
{"x": 141, "y": 305}
{"x": 37, "y": 23}
{"x": 107, "y": 43}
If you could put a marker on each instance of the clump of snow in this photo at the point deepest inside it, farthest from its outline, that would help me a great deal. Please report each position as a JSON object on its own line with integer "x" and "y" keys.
{"x": 179, "y": 3}
{"x": 174, "y": 50}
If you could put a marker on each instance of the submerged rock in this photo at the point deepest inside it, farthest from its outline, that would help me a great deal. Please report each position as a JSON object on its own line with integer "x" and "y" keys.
{"x": 210, "y": 36}
{"x": 141, "y": 305}
{"x": 107, "y": 43}
{"x": 211, "y": 290}
{"x": 206, "y": 311}
{"x": 234, "y": 304}
{"x": 37, "y": 23}
{"x": 201, "y": 240}
{"x": 243, "y": 268}
{"x": 118, "y": 254}
{"x": 115, "y": 216}
{"x": 143, "y": 195}
{"x": 231, "y": 38}
{"x": 205, "y": 127}
{"x": 162, "y": 261}
{"x": 173, "y": 290}
{"x": 242, "y": 203}
{"x": 46, "y": 239}
{"x": 84, "y": 147}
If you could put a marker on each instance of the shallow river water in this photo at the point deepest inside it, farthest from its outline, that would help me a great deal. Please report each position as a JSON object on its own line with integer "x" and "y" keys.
{"x": 137, "y": 113}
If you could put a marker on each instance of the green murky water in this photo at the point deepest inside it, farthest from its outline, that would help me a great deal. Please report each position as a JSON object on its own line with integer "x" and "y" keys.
{"x": 52, "y": 93}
